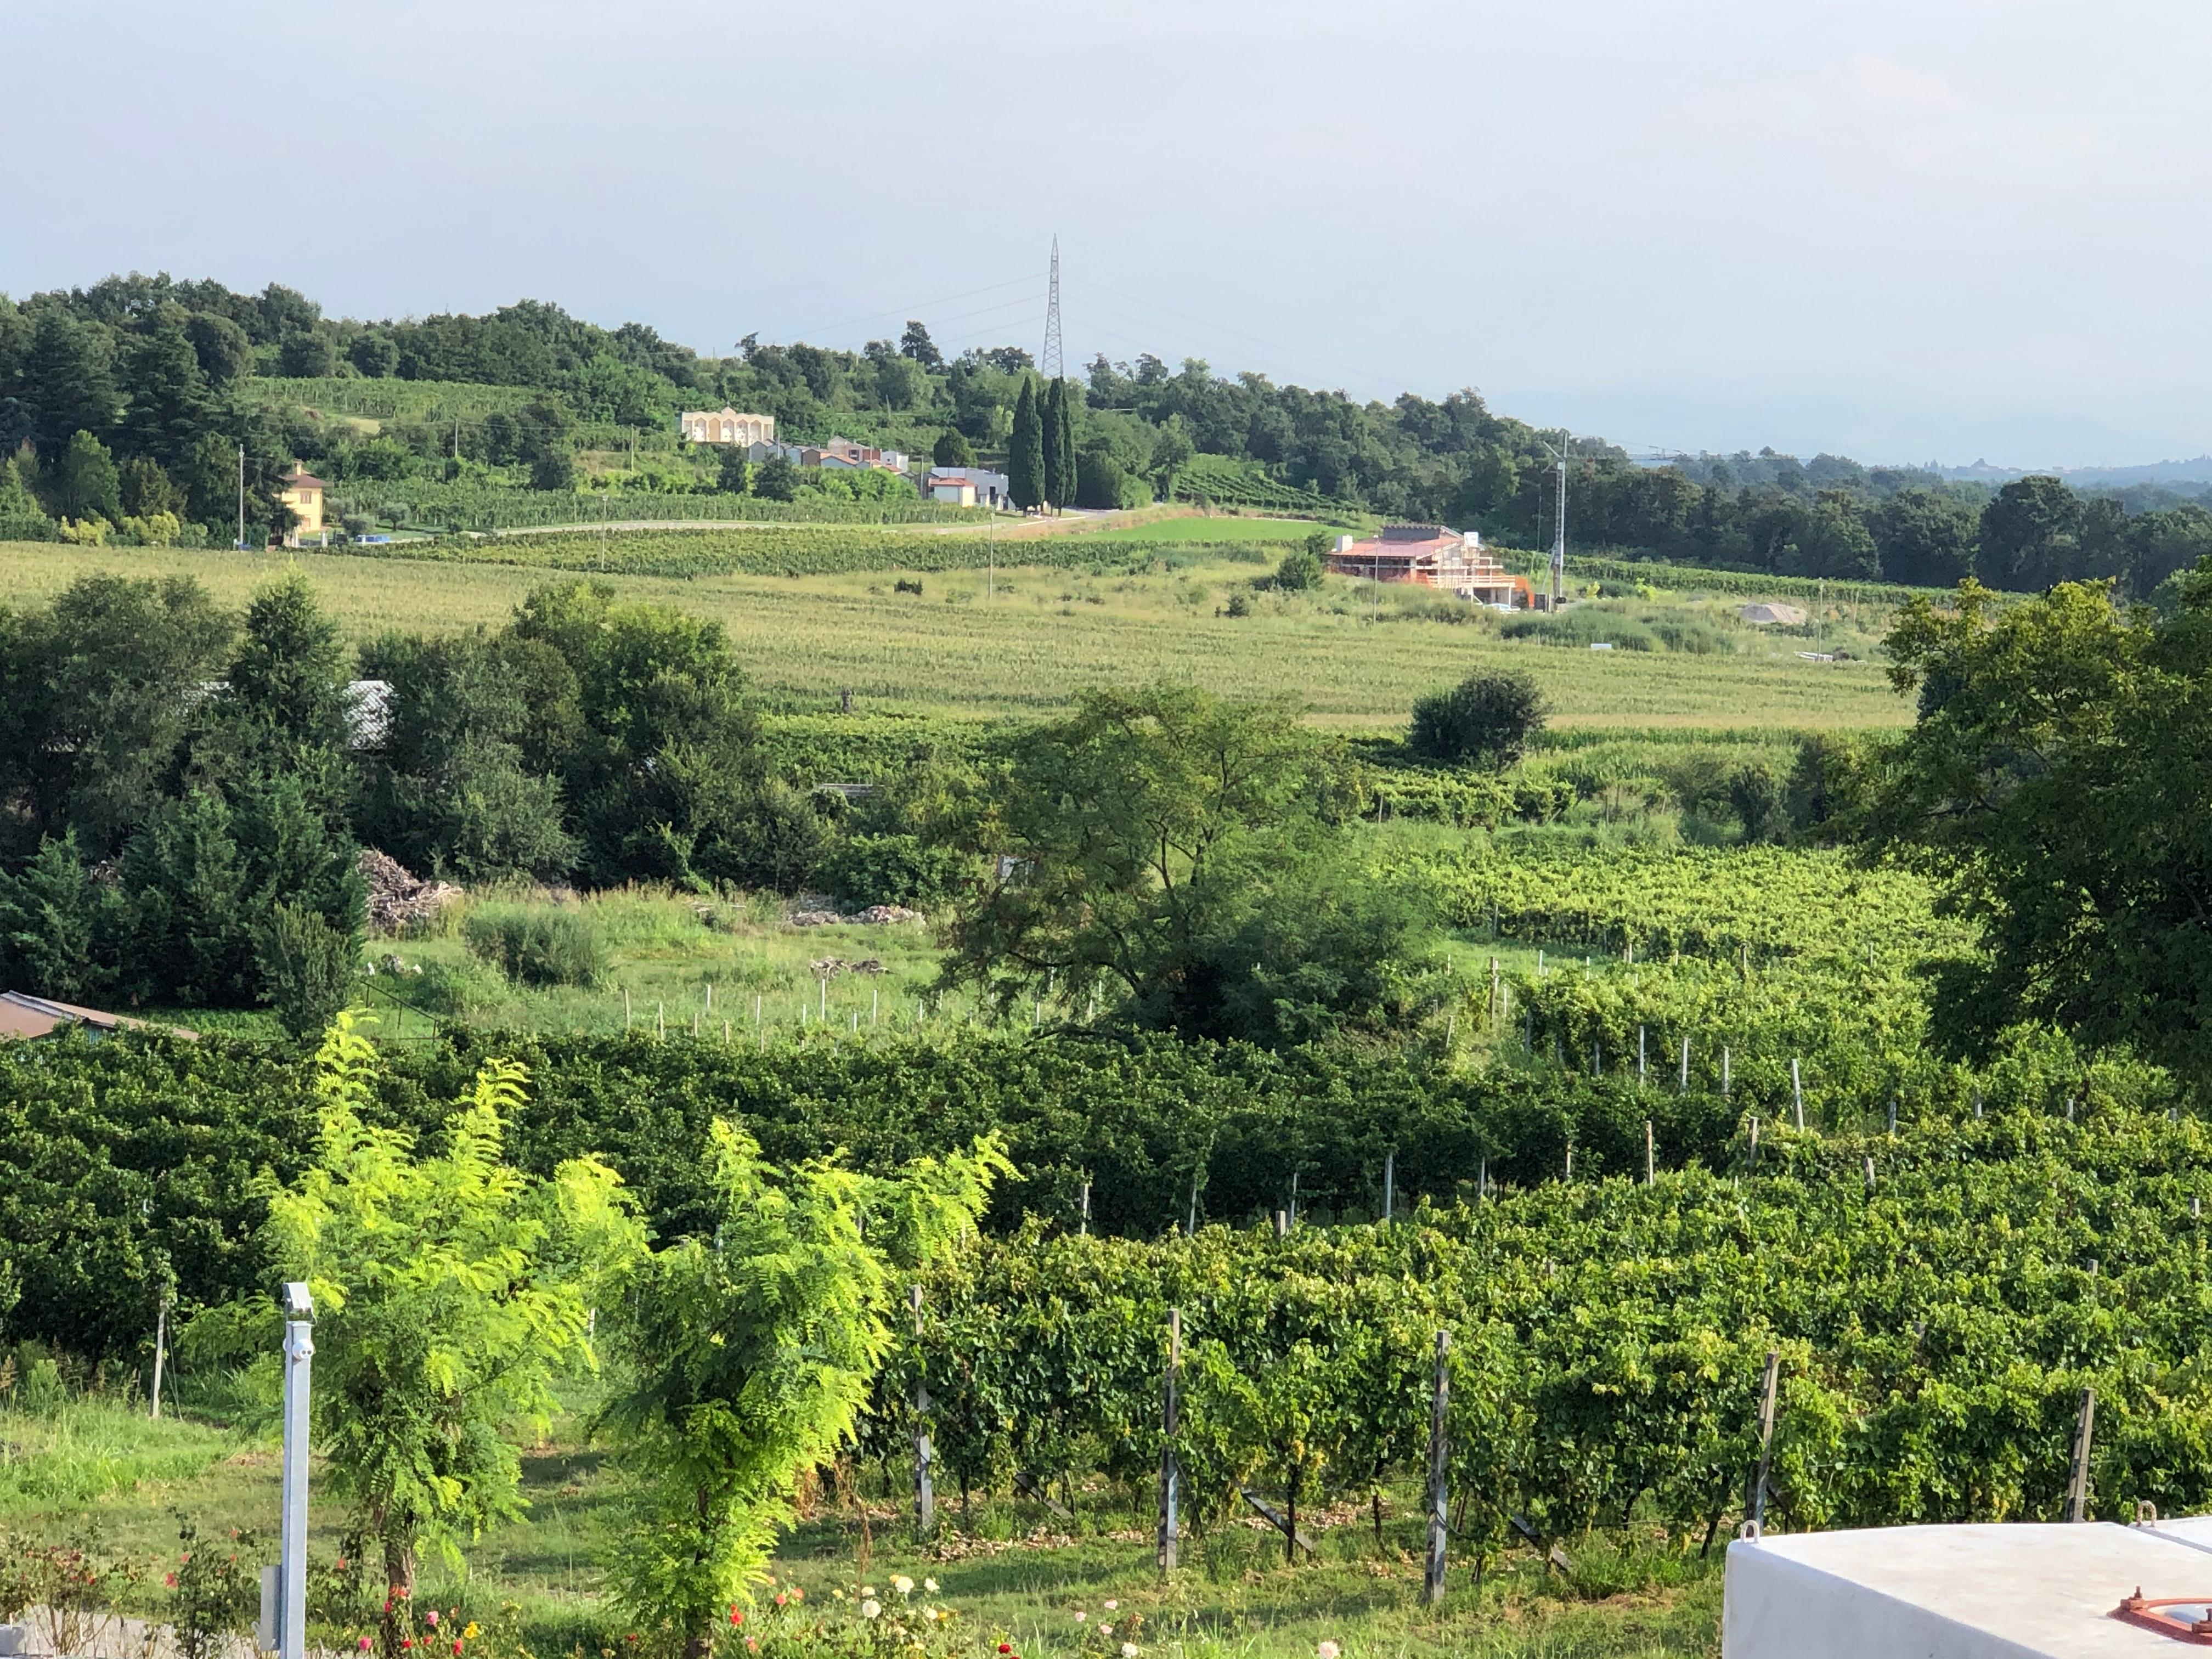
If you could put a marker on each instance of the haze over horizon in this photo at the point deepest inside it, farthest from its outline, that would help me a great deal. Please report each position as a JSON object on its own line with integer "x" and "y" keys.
{"x": 1951, "y": 229}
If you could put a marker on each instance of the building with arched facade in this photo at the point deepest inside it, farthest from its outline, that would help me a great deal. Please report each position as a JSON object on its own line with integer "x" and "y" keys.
{"x": 704, "y": 427}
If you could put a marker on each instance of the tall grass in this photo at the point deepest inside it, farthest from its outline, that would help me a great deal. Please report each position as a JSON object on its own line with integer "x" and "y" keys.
{"x": 536, "y": 946}
{"x": 76, "y": 1451}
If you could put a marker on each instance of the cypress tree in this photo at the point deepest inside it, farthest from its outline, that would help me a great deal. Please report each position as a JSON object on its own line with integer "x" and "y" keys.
{"x": 1059, "y": 444}
{"x": 1025, "y": 478}
{"x": 1067, "y": 441}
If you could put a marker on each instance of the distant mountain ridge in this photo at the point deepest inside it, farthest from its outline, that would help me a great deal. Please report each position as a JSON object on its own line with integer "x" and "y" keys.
{"x": 2196, "y": 471}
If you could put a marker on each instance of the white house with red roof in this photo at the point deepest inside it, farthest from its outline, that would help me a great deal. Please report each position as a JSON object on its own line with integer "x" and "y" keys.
{"x": 1433, "y": 555}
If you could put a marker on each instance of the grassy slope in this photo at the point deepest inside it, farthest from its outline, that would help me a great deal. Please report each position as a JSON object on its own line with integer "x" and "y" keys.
{"x": 1008, "y": 1572}
{"x": 1047, "y": 633}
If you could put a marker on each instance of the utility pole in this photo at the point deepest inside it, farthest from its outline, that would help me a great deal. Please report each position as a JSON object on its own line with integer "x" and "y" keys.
{"x": 1559, "y": 530}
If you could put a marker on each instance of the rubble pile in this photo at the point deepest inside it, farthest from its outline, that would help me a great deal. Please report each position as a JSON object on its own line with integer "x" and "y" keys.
{"x": 399, "y": 901}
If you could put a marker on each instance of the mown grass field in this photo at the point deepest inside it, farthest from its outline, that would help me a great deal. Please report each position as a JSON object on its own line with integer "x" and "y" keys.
{"x": 1026, "y": 640}
{"x": 1008, "y": 1569}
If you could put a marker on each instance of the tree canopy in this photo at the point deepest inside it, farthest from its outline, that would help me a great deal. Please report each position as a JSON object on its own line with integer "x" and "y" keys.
{"x": 1181, "y": 856}
{"x": 2055, "y": 784}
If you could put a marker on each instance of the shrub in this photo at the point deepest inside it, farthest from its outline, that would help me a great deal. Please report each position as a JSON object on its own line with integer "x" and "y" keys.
{"x": 897, "y": 870}
{"x": 555, "y": 469}
{"x": 537, "y": 947}
{"x": 779, "y": 841}
{"x": 306, "y": 967}
{"x": 1692, "y": 636}
{"x": 1487, "y": 719}
{"x": 452, "y": 988}
{"x": 1301, "y": 568}
{"x": 1583, "y": 627}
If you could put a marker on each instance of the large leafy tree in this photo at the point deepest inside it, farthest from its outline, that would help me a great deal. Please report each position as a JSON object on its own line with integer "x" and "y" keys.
{"x": 1925, "y": 540}
{"x": 659, "y": 765}
{"x": 751, "y": 1353}
{"x": 86, "y": 484}
{"x": 450, "y": 1290}
{"x": 101, "y": 688}
{"x": 2055, "y": 783}
{"x": 2030, "y": 534}
{"x": 1488, "y": 718}
{"x": 1182, "y": 854}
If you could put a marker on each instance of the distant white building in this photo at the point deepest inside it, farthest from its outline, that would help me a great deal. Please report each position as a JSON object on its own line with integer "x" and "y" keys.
{"x": 848, "y": 452}
{"x": 701, "y": 426}
{"x": 967, "y": 486}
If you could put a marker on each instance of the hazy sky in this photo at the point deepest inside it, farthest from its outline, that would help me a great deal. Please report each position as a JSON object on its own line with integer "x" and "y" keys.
{"x": 1901, "y": 229}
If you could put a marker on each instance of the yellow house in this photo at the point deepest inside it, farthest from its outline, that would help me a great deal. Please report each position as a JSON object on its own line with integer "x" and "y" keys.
{"x": 303, "y": 494}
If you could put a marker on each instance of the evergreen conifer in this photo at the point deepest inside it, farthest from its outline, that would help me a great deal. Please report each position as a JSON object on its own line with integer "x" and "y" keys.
{"x": 1025, "y": 453}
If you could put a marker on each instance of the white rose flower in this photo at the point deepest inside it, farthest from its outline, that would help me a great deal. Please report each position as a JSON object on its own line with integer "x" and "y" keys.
{"x": 869, "y": 1609}
{"x": 1128, "y": 1650}
{"x": 904, "y": 1586}
{"x": 1326, "y": 1650}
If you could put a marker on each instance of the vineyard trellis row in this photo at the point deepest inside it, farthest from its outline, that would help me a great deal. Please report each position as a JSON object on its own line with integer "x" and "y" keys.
{"x": 1608, "y": 1338}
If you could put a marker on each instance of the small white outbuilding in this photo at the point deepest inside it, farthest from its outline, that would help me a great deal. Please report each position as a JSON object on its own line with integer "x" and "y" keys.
{"x": 1969, "y": 1592}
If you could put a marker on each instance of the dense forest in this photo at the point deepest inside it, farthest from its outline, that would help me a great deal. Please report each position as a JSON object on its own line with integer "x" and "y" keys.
{"x": 125, "y": 405}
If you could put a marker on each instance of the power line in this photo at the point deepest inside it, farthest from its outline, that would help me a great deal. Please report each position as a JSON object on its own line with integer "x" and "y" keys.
{"x": 1403, "y": 381}
{"x": 854, "y": 322}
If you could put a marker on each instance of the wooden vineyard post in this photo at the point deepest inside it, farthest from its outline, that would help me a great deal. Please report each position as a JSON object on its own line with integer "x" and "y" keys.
{"x": 1724, "y": 1073}
{"x": 1755, "y": 1502}
{"x": 2077, "y": 1477}
{"x": 1170, "y": 1412}
{"x": 1651, "y": 1162}
{"x": 1389, "y": 1180}
{"x": 1190, "y": 1227}
{"x": 1082, "y": 1227}
{"x": 1639, "y": 1057}
{"x": 1432, "y": 1582}
{"x": 1753, "y": 1151}
{"x": 1682, "y": 1086}
{"x": 925, "y": 1492}
{"x": 1797, "y": 1093}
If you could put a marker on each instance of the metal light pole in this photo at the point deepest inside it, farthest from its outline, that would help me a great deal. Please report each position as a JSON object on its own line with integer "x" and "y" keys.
{"x": 284, "y": 1587}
